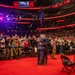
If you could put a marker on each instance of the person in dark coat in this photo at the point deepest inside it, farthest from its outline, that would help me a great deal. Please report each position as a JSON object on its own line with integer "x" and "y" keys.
{"x": 41, "y": 49}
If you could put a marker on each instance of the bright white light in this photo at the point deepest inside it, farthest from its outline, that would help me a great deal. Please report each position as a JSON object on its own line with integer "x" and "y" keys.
{"x": 1, "y": 18}
{"x": 20, "y": 17}
{"x": 8, "y": 19}
{"x": 7, "y": 15}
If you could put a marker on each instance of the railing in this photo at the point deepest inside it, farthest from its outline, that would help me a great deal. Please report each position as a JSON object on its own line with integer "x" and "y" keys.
{"x": 47, "y": 18}
{"x": 57, "y": 27}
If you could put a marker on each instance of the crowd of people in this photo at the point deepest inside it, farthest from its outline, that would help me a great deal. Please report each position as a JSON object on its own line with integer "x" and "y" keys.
{"x": 66, "y": 9}
{"x": 56, "y": 42}
{"x": 38, "y": 45}
{"x": 13, "y": 45}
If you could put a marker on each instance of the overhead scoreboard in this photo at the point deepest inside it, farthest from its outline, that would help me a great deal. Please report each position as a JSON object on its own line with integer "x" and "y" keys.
{"x": 24, "y": 4}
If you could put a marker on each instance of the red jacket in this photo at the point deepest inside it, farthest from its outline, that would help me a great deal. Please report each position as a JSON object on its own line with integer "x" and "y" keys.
{"x": 25, "y": 44}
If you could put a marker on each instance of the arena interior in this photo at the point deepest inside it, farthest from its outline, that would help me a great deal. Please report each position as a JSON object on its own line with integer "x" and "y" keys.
{"x": 37, "y": 37}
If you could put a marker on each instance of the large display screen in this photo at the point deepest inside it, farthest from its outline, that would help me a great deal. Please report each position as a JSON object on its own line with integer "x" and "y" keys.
{"x": 23, "y": 4}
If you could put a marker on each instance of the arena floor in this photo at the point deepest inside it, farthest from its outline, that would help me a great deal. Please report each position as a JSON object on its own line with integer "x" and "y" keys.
{"x": 28, "y": 66}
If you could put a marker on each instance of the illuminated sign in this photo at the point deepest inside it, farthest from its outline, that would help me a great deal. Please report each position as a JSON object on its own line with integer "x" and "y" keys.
{"x": 23, "y": 4}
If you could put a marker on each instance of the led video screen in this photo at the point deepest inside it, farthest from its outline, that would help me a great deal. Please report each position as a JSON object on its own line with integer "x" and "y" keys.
{"x": 23, "y": 4}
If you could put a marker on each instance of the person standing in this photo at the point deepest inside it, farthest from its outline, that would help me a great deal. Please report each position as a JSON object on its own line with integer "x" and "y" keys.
{"x": 7, "y": 46}
{"x": 41, "y": 49}
{"x": 34, "y": 46}
{"x": 53, "y": 43}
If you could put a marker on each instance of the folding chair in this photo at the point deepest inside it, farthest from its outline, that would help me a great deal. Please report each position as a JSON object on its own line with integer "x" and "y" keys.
{"x": 68, "y": 65}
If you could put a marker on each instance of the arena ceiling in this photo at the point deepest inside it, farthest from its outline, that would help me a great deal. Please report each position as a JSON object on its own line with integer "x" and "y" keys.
{"x": 37, "y": 2}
